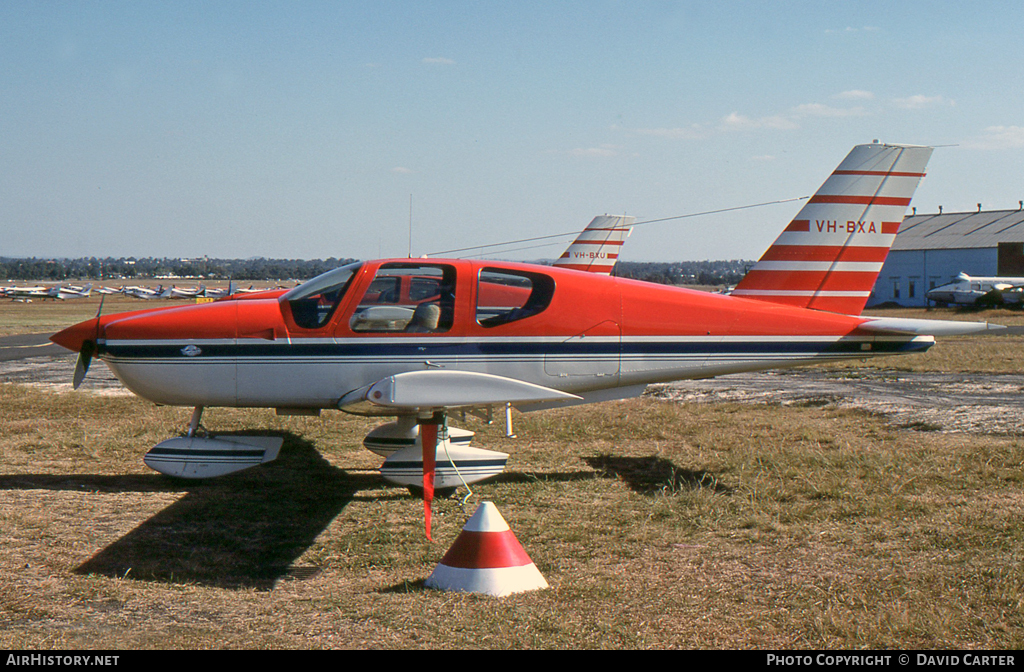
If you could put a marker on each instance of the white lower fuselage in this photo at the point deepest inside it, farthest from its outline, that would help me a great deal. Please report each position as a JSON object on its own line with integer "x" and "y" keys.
{"x": 316, "y": 373}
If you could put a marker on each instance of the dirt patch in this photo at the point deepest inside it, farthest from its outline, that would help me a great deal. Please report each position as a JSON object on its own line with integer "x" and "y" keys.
{"x": 977, "y": 403}
{"x": 55, "y": 374}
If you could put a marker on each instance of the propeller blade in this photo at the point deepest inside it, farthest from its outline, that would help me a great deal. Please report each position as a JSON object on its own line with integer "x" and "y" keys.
{"x": 87, "y": 351}
{"x": 82, "y": 365}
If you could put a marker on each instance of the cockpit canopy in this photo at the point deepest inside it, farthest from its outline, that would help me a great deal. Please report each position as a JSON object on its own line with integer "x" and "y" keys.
{"x": 416, "y": 296}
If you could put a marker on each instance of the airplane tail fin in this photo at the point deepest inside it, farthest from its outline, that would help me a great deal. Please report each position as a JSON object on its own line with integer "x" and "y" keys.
{"x": 829, "y": 256}
{"x": 597, "y": 247}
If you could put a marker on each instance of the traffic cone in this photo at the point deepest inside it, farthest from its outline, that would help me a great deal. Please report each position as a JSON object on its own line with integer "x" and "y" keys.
{"x": 486, "y": 558}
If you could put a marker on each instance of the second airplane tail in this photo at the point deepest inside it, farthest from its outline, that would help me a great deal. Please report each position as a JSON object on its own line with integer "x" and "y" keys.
{"x": 830, "y": 255}
{"x": 597, "y": 247}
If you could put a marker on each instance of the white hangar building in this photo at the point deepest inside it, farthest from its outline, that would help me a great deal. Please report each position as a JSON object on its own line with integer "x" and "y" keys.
{"x": 931, "y": 250}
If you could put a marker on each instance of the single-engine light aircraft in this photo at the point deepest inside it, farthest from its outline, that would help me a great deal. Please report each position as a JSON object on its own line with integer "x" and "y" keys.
{"x": 416, "y": 339}
{"x": 968, "y": 290}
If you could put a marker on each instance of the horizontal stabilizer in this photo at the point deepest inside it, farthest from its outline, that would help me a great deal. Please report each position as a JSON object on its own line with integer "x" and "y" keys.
{"x": 424, "y": 391}
{"x": 927, "y": 327}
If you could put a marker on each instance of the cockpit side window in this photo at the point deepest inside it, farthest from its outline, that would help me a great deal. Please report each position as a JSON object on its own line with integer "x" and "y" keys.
{"x": 420, "y": 298}
{"x": 313, "y": 302}
{"x": 505, "y": 296}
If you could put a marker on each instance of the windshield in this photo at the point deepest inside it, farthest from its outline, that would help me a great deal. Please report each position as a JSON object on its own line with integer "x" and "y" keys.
{"x": 313, "y": 302}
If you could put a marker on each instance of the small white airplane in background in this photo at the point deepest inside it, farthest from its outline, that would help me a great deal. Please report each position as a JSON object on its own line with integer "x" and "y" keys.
{"x": 220, "y": 292}
{"x": 74, "y": 292}
{"x": 248, "y": 290}
{"x": 187, "y": 292}
{"x": 148, "y": 293}
{"x": 967, "y": 289}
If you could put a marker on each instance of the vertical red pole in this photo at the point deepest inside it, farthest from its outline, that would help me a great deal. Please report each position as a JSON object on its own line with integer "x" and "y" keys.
{"x": 428, "y": 437}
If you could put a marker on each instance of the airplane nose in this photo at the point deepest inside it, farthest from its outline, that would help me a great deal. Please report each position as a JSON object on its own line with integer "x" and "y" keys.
{"x": 218, "y": 320}
{"x": 75, "y": 336}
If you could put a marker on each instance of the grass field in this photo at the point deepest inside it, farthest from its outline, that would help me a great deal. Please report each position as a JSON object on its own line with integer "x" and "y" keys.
{"x": 656, "y": 524}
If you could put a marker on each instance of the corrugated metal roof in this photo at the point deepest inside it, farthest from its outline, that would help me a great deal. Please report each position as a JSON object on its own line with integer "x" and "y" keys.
{"x": 959, "y": 230}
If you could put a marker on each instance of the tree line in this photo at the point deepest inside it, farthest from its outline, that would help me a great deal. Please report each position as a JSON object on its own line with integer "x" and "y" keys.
{"x": 125, "y": 268}
{"x": 685, "y": 272}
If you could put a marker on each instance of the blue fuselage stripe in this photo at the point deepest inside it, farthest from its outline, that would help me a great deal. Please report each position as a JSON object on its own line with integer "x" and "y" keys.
{"x": 625, "y": 349}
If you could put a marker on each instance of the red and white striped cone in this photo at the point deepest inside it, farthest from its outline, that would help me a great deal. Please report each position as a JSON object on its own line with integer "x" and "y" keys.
{"x": 487, "y": 558}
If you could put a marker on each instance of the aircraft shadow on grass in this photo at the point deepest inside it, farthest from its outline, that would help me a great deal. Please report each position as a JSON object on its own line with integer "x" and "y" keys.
{"x": 650, "y": 475}
{"x": 240, "y": 531}
{"x": 244, "y": 530}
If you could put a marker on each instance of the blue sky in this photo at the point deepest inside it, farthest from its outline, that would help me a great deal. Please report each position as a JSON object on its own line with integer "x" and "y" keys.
{"x": 302, "y": 129}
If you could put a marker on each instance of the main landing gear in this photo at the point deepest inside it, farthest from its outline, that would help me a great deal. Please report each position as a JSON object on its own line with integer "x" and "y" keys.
{"x": 455, "y": 461}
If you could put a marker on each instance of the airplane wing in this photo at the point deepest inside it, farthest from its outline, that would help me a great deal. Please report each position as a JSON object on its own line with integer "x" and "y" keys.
{"x": 443, "y": 390}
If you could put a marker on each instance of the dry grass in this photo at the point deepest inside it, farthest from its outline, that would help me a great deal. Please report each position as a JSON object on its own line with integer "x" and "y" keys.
{"x": 657, "y": 525}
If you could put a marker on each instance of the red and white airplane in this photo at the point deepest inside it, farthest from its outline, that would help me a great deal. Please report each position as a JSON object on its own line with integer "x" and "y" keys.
{"x": 416, "y": 339}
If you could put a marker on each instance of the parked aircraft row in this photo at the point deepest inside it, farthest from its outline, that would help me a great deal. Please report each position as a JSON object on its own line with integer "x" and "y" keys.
{"x": 175, "y": 292}
{"x": 416, "y": 339}
{"x": 42, "y": 292}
